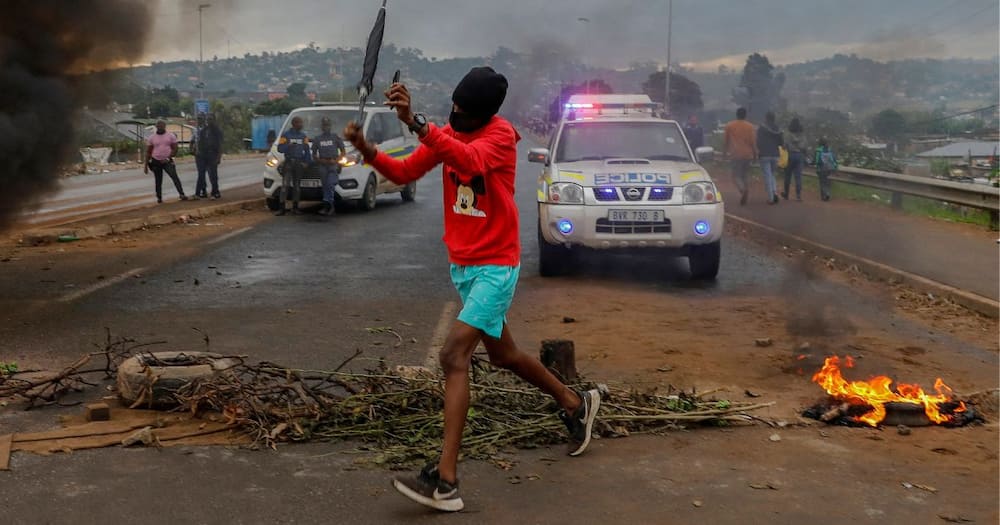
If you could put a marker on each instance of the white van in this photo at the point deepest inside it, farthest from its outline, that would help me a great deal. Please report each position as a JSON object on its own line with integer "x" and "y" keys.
{"x": 359, "y": 182}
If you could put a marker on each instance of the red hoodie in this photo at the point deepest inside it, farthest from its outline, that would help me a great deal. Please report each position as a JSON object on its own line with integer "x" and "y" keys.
{"x": 480, "y": 216}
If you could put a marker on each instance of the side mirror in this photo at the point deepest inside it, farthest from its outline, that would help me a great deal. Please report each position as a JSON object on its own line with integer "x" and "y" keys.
{"x": 538, "y": 155}
{"x": 704, "y": 154}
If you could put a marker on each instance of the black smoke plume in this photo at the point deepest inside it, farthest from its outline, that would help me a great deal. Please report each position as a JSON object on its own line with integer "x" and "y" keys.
{"x": 46, "y": 48}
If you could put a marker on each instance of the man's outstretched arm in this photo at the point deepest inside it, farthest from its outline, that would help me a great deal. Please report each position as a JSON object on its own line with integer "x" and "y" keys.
{"x": 399, "y": 171}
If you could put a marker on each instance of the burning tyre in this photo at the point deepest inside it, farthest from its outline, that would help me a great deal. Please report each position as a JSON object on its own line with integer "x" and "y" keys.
{"x": 876, "y": 402}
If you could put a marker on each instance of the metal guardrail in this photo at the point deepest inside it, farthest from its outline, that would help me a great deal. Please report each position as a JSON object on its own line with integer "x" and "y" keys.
{"x": 971, "y": 195}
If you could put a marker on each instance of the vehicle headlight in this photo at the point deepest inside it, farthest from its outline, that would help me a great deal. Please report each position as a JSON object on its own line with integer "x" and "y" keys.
{"x": 700, "y": 193}
{"x": 272, "y": 161}
{"x": 351, "y": 159}
{"x": 566, "y": 193}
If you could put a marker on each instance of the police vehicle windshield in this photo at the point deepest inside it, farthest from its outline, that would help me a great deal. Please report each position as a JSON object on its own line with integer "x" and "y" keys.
{"x": 588, "y": 140}
{"x": 312, "y": 120}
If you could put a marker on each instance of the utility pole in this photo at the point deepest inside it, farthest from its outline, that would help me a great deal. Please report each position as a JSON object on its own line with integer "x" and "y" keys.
{"x": 340, "y": 67}
{"x": 666, "y": 71}
{"x": 201, "y": 53}
{"x": 586, "y": 82}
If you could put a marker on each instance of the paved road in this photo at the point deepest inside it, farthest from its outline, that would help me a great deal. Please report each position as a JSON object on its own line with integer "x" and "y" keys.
{"x": 84, "y": 195}
{"x": 301, "y": 290}
{"x": 963, "y": 256}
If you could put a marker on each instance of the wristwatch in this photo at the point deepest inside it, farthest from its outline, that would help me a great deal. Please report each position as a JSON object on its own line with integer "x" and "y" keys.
{"x": 419, "y": 121}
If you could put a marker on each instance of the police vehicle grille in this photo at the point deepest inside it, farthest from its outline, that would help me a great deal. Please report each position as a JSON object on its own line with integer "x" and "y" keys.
{"x": 633, "y": 193}
{"x": 606, "y": 226}
{"x": 606, "y": 194}
{"x": 612, "y": 194}
{"x": 660, "y": 193}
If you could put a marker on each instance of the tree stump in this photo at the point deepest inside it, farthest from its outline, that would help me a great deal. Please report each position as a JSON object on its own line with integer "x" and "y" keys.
{"x": 559, "y": 356}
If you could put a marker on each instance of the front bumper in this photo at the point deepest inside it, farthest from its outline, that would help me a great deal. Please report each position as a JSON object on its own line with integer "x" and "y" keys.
{"x": 349, "y": 186}
{"x": 591, "y": 228}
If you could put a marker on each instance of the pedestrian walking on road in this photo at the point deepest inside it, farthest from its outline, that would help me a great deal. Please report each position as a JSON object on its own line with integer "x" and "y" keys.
{"x": 693, "y": 133}
{"x": 741, "y": 146}
{"x": 208, "y": 155}
{"x": 161, "y": 148}
{"x": 478, "y": 151}
{"x": 769, "y": 139}
{"x": 796, "y": 146}
{"x": 826, "y": 164}
{"x": 294, "y": 144}
{"x": 327, "y": 149}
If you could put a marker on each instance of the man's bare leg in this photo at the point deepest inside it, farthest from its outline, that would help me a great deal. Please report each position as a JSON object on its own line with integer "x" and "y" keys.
{"x": 455, "y": 359}
{"x": 504, "y": 353}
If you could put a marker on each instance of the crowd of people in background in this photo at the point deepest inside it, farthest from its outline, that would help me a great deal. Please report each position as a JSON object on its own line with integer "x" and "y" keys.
{"x": 768, "y": 146}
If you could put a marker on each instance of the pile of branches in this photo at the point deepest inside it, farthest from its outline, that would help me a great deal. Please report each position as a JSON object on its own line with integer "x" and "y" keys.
{"x": 38, "y": 388}
{"x": 395, "y": 412}
{"x": 398, "y": 412}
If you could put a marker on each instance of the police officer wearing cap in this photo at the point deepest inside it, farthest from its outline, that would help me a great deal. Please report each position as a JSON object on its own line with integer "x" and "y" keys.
{"x": 327, "y": 149}
{"x": 294, "y": 144}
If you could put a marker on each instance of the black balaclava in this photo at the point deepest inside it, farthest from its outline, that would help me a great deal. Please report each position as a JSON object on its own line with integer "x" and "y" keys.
{"x": 480, "y": 95}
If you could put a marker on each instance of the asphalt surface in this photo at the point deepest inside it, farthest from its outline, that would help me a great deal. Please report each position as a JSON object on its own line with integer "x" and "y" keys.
{"x": 130, "y": 188}
{"x": 961, "y": 256}
{"x": 302, "y": 291}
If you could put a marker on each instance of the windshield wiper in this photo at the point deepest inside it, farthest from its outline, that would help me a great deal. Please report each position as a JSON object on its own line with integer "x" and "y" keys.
{"x": 667, "y": 157}
{"x": 592, "y": 157}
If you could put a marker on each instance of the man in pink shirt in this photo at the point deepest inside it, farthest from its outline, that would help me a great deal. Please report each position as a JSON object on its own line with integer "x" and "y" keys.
{"x": 160, "y": 151}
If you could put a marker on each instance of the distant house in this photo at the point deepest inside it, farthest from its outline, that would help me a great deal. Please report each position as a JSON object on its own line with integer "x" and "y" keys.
{"x": 966, "y": 151}
{"x": 141, "y": 128}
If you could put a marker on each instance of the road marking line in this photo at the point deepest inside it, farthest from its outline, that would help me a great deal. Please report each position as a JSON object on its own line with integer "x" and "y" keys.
{"x": 440, "y": 333}
{"x": 230, "y": 235}
{"x": 76, "y": 294}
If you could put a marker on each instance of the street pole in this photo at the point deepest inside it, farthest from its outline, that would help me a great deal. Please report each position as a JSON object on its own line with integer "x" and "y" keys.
{"x": 586, "y": 81}
{"x": 340, "y": 67}
{"x": 201, "y": 54}
{"x": 666, "y": 72}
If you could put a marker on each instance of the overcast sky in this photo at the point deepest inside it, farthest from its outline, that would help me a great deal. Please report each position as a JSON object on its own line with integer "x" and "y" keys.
{"x": 614, "y": 33}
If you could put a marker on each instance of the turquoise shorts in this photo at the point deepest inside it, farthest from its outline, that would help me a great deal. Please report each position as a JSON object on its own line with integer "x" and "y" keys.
{"x": 486, "y": 293}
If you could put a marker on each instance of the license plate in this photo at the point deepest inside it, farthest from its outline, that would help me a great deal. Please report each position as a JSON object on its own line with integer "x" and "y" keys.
{"x": 311, "y": 183}
{"x": 635, "y": 215}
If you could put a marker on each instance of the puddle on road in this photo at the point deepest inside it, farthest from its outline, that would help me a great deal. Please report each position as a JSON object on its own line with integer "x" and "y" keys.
{"x": 264, "y": 267}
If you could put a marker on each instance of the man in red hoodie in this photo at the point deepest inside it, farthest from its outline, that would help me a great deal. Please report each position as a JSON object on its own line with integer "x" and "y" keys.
{"x": 478, "y": 151}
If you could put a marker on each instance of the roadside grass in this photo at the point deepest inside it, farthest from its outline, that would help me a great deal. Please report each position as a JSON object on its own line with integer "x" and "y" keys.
{"x": 918, "y": 206}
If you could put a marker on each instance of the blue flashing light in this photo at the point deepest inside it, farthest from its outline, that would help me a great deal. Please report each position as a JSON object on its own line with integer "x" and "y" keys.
{"x": 702, "y": 228}
{"x": 577, "y": 105}
{"x": 565, "y": 226}
{"x": 606, "y": 191}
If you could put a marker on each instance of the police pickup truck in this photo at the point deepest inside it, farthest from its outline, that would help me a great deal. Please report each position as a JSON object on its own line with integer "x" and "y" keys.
{"x": 618, "y": 178}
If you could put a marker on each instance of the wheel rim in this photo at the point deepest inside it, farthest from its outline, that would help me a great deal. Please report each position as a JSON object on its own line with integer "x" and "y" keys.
{"x": 370, "y": 195}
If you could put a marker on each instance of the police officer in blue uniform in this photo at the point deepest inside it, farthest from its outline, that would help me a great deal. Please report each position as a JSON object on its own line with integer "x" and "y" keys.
{"x": 294, "y": 144}
{"x": 327, "y": 149}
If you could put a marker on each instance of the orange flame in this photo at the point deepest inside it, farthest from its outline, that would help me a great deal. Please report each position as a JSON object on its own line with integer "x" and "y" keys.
{"x": 876, "y": 392}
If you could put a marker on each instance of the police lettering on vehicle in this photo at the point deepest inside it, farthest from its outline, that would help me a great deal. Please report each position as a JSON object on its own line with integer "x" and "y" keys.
{"x": 601, "y": 179}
